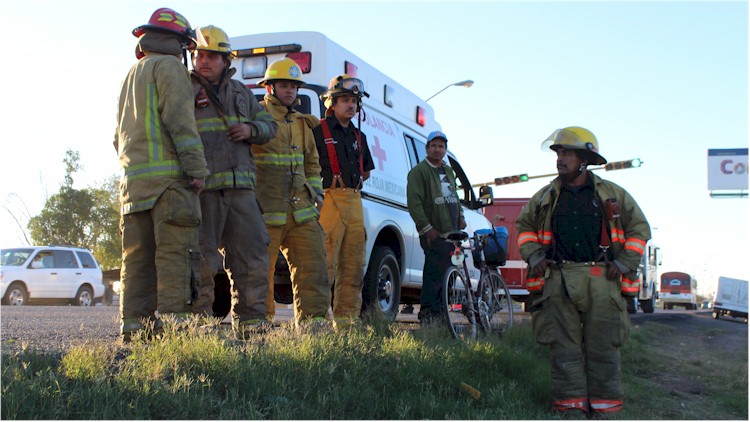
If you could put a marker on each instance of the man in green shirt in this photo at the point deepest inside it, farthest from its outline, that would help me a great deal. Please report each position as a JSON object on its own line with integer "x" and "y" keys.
{"x": 434, "y": 206}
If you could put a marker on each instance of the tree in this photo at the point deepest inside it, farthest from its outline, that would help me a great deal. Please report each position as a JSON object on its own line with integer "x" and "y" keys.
{"x": 87, "y": 218}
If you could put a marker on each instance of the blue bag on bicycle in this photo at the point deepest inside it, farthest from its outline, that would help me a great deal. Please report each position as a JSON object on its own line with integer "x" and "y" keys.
{"x": 497, "y": 246}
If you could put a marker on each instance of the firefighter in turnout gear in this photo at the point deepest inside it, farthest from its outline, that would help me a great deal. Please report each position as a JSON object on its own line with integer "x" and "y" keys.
{"x": 345, "y": 164}
{"x": 230, "y": 120}
{"x": 163, "y": 170}
{"x": 583, "y": 238}
{"x": 290, "y": 192}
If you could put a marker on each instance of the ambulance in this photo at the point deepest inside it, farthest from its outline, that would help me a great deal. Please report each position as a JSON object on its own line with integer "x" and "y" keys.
{"x": 396, "y": 122}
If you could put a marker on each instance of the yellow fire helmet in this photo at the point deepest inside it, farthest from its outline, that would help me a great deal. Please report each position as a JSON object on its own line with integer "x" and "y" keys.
{"x": 284, "y": 69}
{"x": 211, "y": 38}
{"x": 343, "y": 85}
{"x": 574, "y": 137}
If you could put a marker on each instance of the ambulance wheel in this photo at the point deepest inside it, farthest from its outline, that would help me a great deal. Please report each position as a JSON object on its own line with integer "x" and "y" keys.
{"x": 648, "y": 306}
{"x": 632, "y": 307}
{"x": 382, "y": 285}
{"x": 715, "y": 314}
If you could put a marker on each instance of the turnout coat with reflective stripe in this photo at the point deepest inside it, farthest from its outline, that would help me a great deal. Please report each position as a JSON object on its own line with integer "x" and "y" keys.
{"x": 628, "y": 233}
{"x": 156, "y": 140}
{"x": 288, "y": 167}
{"x": 231, "y": 163}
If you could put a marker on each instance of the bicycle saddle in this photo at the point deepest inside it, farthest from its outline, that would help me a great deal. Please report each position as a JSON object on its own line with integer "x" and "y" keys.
{"x": 456, "y": 235}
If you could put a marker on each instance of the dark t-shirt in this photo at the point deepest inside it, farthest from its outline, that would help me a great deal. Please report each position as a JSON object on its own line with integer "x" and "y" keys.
{"x": 449, "y": 197}
{"x": 577, "y": 224}
{"x": 347, "y": 150}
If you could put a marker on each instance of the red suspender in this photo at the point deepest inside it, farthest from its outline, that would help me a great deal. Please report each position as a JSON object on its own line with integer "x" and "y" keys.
{"x": 333, "y": 158}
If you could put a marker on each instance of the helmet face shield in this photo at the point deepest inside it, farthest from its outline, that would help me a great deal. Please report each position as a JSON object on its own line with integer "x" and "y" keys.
{"x": 356, "y": 86}
{"x": 563, "y": 138}
{"x": 575, "y": 138}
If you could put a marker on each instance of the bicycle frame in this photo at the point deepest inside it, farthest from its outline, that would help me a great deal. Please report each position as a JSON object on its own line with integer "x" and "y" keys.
{"x": 482, "y": 304}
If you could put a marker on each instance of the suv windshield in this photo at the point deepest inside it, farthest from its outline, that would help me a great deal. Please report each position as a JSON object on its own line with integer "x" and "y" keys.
{"x": 14, "y": 257}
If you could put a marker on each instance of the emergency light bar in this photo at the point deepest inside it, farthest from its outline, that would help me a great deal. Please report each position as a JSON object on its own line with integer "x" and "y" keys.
{"x": 276, "y": 49}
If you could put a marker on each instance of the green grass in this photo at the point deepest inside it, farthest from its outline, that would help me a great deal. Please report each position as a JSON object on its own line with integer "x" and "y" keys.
{"x": 371, "y": 372}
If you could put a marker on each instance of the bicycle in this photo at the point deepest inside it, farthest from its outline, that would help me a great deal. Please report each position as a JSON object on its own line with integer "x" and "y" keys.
{"x": 489, "y": 305}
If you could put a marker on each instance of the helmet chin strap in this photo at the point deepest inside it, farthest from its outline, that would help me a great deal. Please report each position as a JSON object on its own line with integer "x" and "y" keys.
{"x": 571, "y": 178}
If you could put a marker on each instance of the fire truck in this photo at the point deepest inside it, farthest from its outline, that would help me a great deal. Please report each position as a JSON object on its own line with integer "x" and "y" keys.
{"x": 506, "y": 211}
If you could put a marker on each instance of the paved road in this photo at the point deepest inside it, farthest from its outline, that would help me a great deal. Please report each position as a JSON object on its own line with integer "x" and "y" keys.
{"x": 55, "y": 328}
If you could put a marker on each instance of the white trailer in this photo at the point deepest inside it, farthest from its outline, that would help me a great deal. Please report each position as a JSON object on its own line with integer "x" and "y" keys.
{"x": 730, "y": 298}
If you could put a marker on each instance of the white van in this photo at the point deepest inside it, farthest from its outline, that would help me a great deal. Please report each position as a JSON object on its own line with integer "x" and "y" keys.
{"x": 396, "y": 123}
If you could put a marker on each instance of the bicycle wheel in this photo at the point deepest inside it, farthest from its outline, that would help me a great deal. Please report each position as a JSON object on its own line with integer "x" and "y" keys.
{"x": 457, "y": 307}
{"x": 494, "y": 304}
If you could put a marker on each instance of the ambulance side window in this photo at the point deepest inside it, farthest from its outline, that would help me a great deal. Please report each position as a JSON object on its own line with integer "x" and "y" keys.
{"x": 413, "y": 160}
{"x": 463, "y": 187}
{"x": 420, "y": 151}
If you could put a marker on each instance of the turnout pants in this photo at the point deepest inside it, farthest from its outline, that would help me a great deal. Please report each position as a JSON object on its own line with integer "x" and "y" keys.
{"x": 160, "y": 259}
{"x": 234, "y": 234}
{"x": 583, "y": 318}
{"x": 303, "y": 246}
{"x": 342, "y": 219}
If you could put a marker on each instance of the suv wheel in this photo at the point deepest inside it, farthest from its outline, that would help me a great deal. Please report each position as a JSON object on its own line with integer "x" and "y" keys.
{"x": 16, "y": 295}
{"x": 84, "y": 297}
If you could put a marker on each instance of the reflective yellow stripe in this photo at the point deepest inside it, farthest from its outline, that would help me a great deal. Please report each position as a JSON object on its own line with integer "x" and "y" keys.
{"x": 629, "y": 285}
{"x": 534, "y": 284}
{"x": 636, "y": 245}
{"x": 316, "y": 183}
{"x": 154, "y": 169}
{"x": 618, "y": 236}
{"x": 274, "y": 218}
{"x": 230, "y": 179}
{"x": 280, "y": 159}
{"x": 545, "y": 238}
{"x": 216, "y": 124}
{"x": 304, "y": 214}
{"x": 527, "y": 237}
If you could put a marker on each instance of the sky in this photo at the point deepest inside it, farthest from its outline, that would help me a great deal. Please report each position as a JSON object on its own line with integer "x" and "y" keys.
{"x": 662, "y": 81}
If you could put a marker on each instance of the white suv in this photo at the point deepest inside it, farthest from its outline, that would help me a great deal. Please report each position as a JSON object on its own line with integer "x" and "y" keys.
{"x": 47, "y": 273}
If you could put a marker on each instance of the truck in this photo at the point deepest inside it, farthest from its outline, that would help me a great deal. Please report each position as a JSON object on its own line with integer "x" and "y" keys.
{"x": 678, "y": 289}
{"x": 648, "y": 291}
{"x": 396, "y": 122}
{"x": 730, "y": 298}
{"x": 506, "y": 210}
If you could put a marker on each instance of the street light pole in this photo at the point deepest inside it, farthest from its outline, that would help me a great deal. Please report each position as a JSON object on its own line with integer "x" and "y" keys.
{"x": 467, "y": 83}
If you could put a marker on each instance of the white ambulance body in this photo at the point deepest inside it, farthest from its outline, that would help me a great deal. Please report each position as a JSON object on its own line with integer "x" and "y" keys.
{"x": 396, "y": 123}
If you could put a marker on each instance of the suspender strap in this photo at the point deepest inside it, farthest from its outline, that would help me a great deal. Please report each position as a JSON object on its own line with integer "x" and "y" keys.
{"x": 330, "y": 146}
{"x": 604, "y": 242}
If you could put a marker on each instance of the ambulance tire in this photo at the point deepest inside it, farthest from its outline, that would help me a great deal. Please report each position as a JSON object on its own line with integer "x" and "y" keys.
{"x": 632, "y": 307}
{"x": 648, "y": 306}
{"x": 381, "y": 293}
